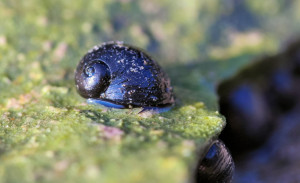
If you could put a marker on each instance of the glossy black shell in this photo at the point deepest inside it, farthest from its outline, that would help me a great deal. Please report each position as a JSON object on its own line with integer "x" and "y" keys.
{"x": 123, "y": 75}
{"x": 216, "y": 166}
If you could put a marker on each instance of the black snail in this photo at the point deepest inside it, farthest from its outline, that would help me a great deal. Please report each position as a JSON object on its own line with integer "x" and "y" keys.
{"x": 121, "y": 76}
{"x": 216, "y": 166}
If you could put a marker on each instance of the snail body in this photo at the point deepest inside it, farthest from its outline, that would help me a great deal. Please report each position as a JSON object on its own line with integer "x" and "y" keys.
{"x": 121, "y": 76}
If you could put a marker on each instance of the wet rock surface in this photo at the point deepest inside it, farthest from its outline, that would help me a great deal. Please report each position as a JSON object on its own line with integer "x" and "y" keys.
{"x": 262, "y": 108}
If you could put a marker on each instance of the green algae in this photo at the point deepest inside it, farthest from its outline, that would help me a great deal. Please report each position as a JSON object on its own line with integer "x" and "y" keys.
{"x": 49, "y": 134}
{"x": 52, "y": 138}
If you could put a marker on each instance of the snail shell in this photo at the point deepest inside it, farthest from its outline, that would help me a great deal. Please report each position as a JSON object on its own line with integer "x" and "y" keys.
{"x": 216, "y": 166}
{"x": 122, "y": 76}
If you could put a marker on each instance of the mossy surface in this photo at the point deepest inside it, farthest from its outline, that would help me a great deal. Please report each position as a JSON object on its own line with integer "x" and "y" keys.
{"x": 49, "y": 134}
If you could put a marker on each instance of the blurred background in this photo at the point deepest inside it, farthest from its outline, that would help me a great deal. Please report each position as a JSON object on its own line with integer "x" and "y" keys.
{"x": 42, "y": 41}
{"x": 174, "y": 31}
{"x": 224, "y": 35}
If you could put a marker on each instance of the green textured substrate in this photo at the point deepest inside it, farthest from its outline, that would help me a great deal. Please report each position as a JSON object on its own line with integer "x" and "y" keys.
{"x": 49, "y": 134}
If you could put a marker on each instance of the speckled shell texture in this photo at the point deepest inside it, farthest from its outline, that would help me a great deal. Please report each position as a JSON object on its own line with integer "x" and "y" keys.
{"x": 136, "y": 79}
